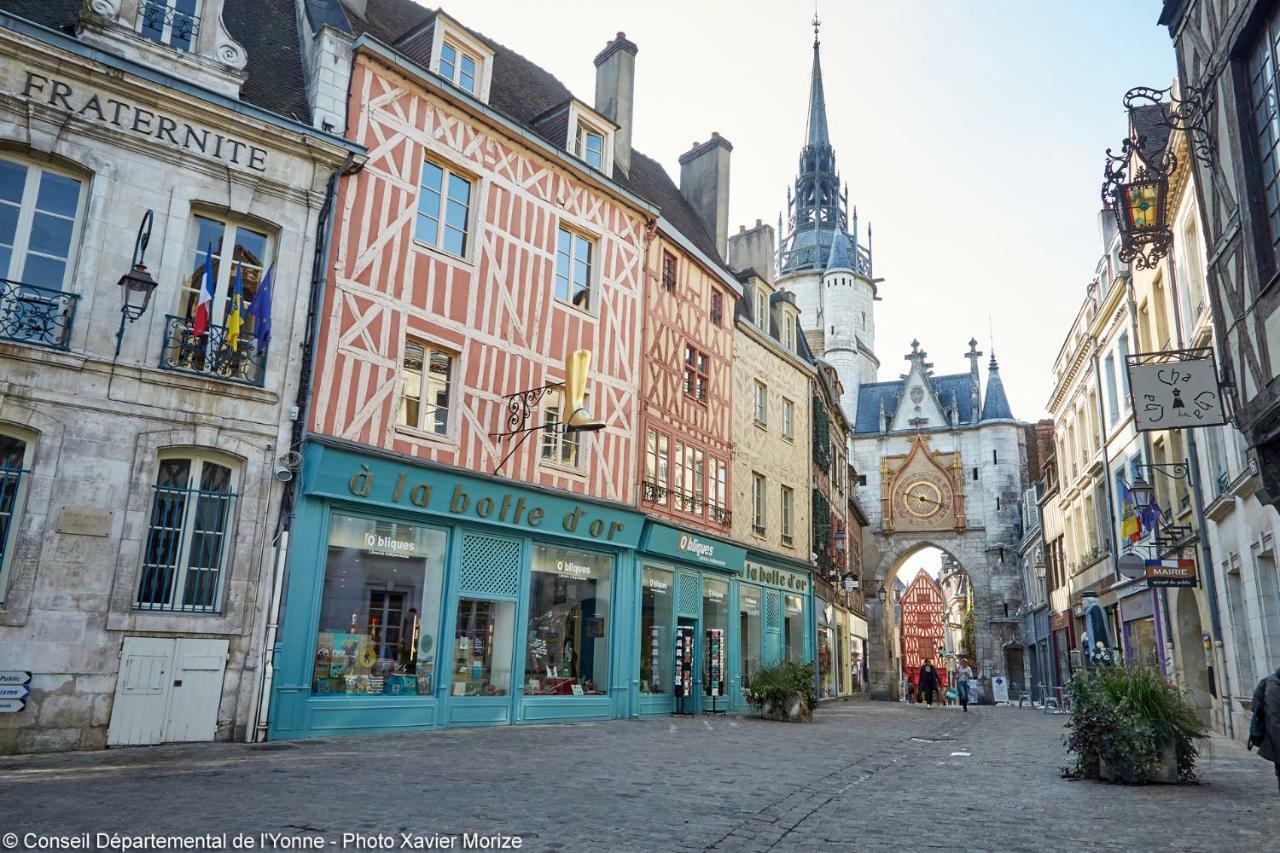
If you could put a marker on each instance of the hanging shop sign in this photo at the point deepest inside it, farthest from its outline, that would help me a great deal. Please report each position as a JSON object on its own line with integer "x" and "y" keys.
{"x": 694, "y": 548}
{"x": 1175, "y": 390}
{"x": 779, "y": 578}
{"x": 352, "y": 476}
{"x": 1171, "y": 572}
{"x": 684, "y": 660}
{"x": 715, "y": 662}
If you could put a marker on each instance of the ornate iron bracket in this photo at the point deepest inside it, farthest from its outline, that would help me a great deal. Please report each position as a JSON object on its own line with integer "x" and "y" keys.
{"x": 1187, "y": 114}
{"x": 520, "y": 406}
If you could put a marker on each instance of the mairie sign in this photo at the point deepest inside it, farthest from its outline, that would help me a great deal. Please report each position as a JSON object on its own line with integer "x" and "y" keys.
{"x": 1171, "y": 572}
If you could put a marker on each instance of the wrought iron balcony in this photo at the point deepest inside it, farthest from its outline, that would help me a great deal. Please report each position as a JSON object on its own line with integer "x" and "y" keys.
{"x": 719, "y": 515}
{"x": 182, "y": 26}
{"x": 681, "y": 501}
{"x": 36, "y": 315}
{"x": 210, "y": 354}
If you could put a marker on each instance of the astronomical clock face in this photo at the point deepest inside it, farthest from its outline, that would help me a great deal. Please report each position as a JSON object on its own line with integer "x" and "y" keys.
{"x": 922, "y": 500}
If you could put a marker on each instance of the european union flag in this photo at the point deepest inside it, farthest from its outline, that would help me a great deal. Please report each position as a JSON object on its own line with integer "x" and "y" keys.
{"x": 260, "y": 311}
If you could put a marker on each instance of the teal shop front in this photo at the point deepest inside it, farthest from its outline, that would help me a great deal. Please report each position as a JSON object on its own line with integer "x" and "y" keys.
{"x": 686, "y": 581}
{"x": 775, "y": 600}
{"x": 421, "y": 596}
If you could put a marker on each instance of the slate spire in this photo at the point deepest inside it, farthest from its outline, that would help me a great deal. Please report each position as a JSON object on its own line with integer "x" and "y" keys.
{"x": 996, "y": 405}
{"x": 816, "y": 127}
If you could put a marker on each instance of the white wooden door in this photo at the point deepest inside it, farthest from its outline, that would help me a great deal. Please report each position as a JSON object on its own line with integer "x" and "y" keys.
{"x": 168, "y": 691}
{"x": 195, "y": 690}
{"x": 142, "y": 691}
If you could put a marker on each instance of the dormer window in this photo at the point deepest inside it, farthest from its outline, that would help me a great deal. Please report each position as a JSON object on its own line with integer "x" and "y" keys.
{"x": 171, "y": 22}
{"x": 459, "y": 67}
{"x": 762, "y": 308}
{"x": 591, "y": 145}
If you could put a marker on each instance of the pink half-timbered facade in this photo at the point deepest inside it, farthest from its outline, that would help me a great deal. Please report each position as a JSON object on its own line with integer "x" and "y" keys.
{"x": 466, "y": 264}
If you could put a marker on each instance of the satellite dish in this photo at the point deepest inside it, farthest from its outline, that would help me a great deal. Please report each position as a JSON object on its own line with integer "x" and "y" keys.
{"x": 1132, "y": 565}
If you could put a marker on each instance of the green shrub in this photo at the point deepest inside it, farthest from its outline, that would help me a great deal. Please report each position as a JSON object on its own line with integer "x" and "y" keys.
{"x": 1124, "y": 716}
{"x": 773, "y": 684}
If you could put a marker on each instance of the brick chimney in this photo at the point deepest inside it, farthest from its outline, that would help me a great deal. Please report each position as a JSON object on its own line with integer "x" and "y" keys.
{"x": 615, "y": 94}
{"x": 704, "y": 182}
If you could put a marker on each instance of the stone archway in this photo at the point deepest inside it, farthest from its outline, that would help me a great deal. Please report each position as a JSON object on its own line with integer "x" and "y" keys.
{"x": 992, "y": 572}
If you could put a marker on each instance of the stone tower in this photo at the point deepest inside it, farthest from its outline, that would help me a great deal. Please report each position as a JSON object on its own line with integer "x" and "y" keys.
{"x": 821, "y": 260}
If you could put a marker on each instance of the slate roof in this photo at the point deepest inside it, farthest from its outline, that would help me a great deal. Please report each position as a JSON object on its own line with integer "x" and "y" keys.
{"x": 267, "y": 29}
{"x": 522, "y": 91}
{"x": 1148, "y": 123}
{"x": 838, "y": 258}
{"x": 995, "y": 406}
{"x": 955, "y": 387}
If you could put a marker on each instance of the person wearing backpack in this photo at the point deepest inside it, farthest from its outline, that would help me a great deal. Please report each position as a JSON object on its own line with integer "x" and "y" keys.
{"x": 1264, "y": 728}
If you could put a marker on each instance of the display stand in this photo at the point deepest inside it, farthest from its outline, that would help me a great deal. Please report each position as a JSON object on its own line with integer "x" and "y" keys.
{"x": 713, "y": 709}
{"x": 715, "y": 667}
{"x": 684, "y": 670}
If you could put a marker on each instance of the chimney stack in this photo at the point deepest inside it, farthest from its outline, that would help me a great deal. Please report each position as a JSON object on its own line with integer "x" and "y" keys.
{"x": 752, "y": 248}
{"x": 704, "y": 182}
{"x": 615, "y": 94}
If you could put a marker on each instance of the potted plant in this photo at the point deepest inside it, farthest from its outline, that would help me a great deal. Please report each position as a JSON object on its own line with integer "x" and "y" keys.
{"x": 1131, "y": 726}
{"x": 784, "y": 692}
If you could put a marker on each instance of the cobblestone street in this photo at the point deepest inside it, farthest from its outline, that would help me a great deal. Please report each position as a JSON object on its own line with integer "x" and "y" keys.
{"x": 864, "y": 776}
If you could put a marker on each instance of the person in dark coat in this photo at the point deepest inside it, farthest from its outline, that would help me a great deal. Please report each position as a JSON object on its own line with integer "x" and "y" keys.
{"x": 929, "y": 681}
{"x": 1264, "y": 731}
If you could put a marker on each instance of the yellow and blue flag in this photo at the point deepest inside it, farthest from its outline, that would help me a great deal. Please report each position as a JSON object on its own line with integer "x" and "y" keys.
{"x": 235, "y": 315}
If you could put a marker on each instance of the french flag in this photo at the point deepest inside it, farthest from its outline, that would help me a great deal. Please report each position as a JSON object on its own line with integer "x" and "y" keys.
{"x": 204, "y": 308}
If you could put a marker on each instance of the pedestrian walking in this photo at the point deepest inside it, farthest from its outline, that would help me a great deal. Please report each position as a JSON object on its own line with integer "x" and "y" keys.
{"x": 929, "y": 681}
{"x": 964, "y": 672}
{"x": 1264, "y": 729}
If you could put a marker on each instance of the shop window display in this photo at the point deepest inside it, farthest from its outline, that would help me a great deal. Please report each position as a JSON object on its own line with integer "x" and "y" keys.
{"x": 749, "y": 632}
{"x": 715, "y": 616}
{"x": 826, "y": 675}
{"x": 567, "y": 648}
{"x": 657, "y": 608}
{"x": 482, "y": 645}
{"x": 793, "y": 628}
{"x": 380, "y": 608}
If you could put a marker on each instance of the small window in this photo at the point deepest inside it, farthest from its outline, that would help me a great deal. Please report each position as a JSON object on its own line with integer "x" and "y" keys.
{"x": 997, "y": 503}
{"x": 696, "y": 373}
{"x": 459, "y": 67}
{"x": 590, "y": 145}
{"x": 788, "y": 509}
{"x": 558, "y": 446}
{"x": 656, "y": 473}
{"x": 787, "y": 333}
{"x": 788, "y": 419}
{"x": 171, "y": 22}
{"x": 444, "y": 209}
{"x": 717, "y": 309}
{"x": 762, "y": 404}
{"x": 762, "y": 308}
{"x": 192, "y": 506}
{"x": 975, "y": 473}
{"x": 718, "y": 493}
{"x": 574, "y": 254}
{"x": 995, "y": 458}
{"x": 425, "y": 392}
{"x": 757, "y": 503}
{"x": 15, "y": 465}
{"x": 669, "y": 271}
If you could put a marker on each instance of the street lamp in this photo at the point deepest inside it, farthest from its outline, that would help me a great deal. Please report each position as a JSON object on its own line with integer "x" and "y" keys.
{"x": 1143, "y": 493}
{"x": 882, "y": 594}
{"x": 849, "y": 582}
{"x": 136, "y": 285}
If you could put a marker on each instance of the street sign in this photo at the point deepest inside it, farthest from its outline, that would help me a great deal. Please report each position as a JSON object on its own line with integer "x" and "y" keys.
{"x": 1171, "y": 572}
{"x": 14, "y": 677}
{"x": 1175, "y": 389}
{"x": 14, "y": 691}
{"x": 1132, "y": 565}
{"x": 12, "y": 706}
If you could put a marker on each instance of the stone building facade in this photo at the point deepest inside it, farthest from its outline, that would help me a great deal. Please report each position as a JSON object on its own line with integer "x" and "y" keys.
{"x": 142, "y": 471}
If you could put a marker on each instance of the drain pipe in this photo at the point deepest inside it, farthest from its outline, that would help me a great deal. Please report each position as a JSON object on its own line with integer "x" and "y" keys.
{"x": 324, "y": 228}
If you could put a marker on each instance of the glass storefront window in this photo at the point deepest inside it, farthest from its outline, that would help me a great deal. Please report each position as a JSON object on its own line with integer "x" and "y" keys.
{"x": 482, "y": 645}
{"x": 379, "y": 609}
{"x": 826, "y": 679}
{"x": 749, "y": 631}
{"x": 793, "y": 628}
{"x": 715, "y": 615}
{"x": 657, "y": 611}
{"x": 567, "y": 648}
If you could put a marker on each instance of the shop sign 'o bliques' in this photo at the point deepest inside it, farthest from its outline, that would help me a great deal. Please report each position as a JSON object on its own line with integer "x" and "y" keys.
{"x": 695, "y": 546}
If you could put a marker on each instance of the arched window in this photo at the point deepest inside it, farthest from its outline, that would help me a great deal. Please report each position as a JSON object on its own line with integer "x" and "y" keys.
{"x": 188, "y": 537}
{"x": 15, "y": 464}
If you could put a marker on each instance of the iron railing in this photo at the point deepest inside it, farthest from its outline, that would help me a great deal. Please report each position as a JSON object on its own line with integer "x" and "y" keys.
{"x": 186, "y": 549}
{"x": 182, "y": 26}
{"x": 681, "y": 501}
{"x": 210, "y": 354}
{"x": 36, "y": 315}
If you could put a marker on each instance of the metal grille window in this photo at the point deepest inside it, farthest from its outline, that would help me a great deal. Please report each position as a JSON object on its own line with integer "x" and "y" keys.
{"x": 183, "y": 563}
{"x": 459, "y": 67}
{"x": 1264, "y": 97}
{"x": 444, "y": 209}
{"x": 669, "y": 271}
{"x": 13, "y": 468}
{"x": 425, "y": 388}
{"x": 717, "y": 309}
{"x": 573, "y": 268}
{"x": 171, "y": 22}
{"x": 695, "y": 373}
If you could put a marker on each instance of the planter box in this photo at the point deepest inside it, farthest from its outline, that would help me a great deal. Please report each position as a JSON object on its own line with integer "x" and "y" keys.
{"x": 1165, "y": 771}
{"x": 794, "y": 710}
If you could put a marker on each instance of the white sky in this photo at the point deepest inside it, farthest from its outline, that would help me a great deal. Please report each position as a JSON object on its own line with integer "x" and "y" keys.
{"x": 971, "y": 135}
